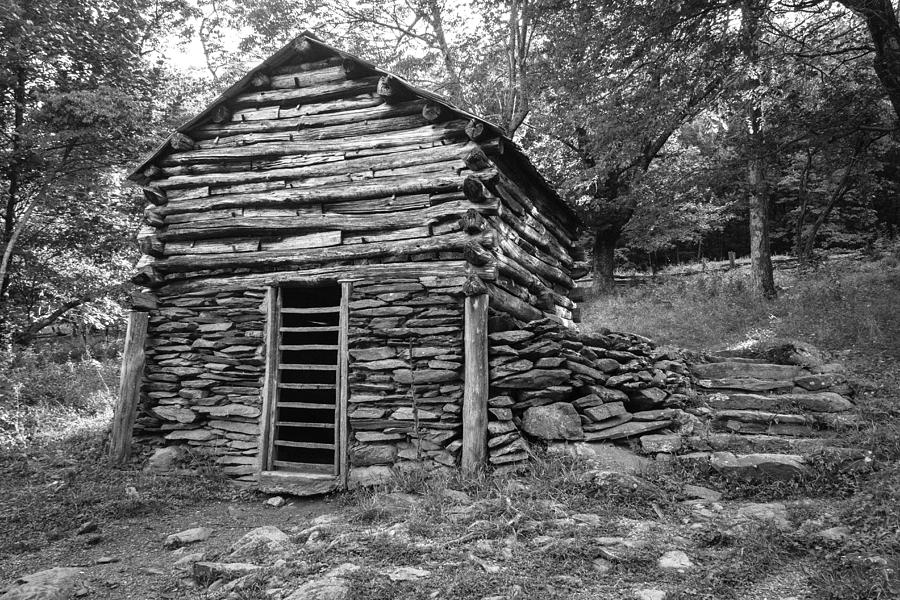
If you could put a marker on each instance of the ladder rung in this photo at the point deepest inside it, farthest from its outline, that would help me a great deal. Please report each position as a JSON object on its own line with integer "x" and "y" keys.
{"x": 310, "y": 425}
{"x": 298, "y": 367}
{"x": 303, "y": 444}
{"x": 311, "y": 310}
{"x": 309, "y": 347}
{"x": 312, "y": 405}
{"x": 304, "y": 467}
{"x": 310, "y": 329}
{"x": 306, "y": 386}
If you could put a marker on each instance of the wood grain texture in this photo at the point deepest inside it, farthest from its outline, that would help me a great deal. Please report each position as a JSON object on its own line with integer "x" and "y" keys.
{"x": 133, "y": 357}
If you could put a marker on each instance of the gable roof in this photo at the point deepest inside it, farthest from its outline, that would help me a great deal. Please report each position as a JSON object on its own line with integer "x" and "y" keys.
{"x": 306, "y": 42}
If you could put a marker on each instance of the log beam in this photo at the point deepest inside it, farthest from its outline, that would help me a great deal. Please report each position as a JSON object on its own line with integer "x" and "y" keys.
{"x": 132, "y": 370}
{"x": 475, "y": 386}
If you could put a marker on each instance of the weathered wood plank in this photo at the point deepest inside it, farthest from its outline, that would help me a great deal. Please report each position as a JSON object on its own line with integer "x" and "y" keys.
{"x": 330, "y": 166}
{"x": 313, "y": 93}
{"x": 343, "y": 393}
{"x": 286, "y": 222}
{"x": 305, "y": 77}
{"x": 328, "y": 119}
{"x": 130, "y": 375}
{"x": 475, "y": 385}
{"x": 359, "y": 101}
{"x": 417, "y": 135}
{"x": 270, "y": 381}
{"x": 335, "y": 192}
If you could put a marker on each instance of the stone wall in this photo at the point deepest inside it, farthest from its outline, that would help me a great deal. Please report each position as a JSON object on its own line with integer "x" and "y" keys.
{"x": 405, "y": 375}
{"x": 203, "y": 376}
{"x": 551, "y": 383}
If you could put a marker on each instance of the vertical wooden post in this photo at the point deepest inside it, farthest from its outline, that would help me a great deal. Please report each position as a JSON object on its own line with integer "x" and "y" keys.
{"x": 475, "y": 390}
{"x": 129, "y": 387}
{"x": 731, "y": 260}
{"x": 343, "y": 386}
{"x": 270, "y": 383}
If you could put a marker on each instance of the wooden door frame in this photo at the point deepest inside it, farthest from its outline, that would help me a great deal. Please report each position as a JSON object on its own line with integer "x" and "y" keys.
{"x": 270, "y": 387}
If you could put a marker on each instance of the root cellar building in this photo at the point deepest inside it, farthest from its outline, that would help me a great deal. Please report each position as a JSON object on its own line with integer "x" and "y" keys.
{"x": 329, "y": 254}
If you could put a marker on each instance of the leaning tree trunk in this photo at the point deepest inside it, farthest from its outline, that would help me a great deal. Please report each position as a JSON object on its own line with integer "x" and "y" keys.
{"x": 604, "y": 261}
{"x": 881, "y": 20}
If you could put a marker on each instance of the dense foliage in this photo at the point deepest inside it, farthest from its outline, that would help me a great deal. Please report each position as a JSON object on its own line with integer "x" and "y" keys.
{"x": 664, "y": 123}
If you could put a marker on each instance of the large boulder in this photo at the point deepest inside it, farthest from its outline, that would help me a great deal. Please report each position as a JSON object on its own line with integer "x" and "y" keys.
{"x": 558, "y": 421}
{"x": 53, "y": 584}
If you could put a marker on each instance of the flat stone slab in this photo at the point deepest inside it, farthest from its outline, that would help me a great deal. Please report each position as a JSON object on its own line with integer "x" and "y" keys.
{"x": 748, "y": 384}
{"x": 782, "y": 467}
{"x": 630, "y": 429}
{"x": 52, "y": 584}
{"x": 742, "y": 370}
{"x": 815, "y": 402}
{"x": 558, "y": 421}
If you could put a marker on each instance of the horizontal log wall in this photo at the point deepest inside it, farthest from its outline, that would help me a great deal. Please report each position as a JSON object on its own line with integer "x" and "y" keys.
{"x": 405, "y": 374}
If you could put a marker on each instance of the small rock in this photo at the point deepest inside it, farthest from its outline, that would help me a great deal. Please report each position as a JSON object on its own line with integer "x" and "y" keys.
{"x": 774, "y": 513}
{"x": 186, "y": 562}
{"x": 602, "y": 566}
{"x": 105, "y": 560}
{"x": 188, "y": 536}
{"x": 222, "y": 570}
{"x": 343, "y": 570}
{"x": 164, "y": 460}
{"x": 92, "y": 539}
{"x": 275, "y": 502}
{"x": 324, "y": 588}
{"x": 87, "y": 527}
{"x": 456, "y": 496}
{"x": 406, "y": 574}
{"x": 674, "y": 559}
{"x": 669, "y": 444}
{"x": 650, "y": 595}
{"x": 834, "y": 534}
{"x": 698, "y": 491}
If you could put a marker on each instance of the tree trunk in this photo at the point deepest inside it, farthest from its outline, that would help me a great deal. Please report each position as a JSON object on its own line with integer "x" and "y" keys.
{"x": 762, "y": 282}
{"x": 881, "y": 19}
{"x": 604, "y": 261}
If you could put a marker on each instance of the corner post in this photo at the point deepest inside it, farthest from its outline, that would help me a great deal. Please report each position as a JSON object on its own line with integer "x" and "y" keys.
{"x": 129, "y": 387}
{"x": 475, "y": 390}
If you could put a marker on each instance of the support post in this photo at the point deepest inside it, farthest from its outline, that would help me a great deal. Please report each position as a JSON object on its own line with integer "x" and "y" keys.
{"x": 270, "y": 383}
{"x": 129, "y": 387}
{"x": 343, "y": 385}
{"x": 731, "y": 257}
{"x": 475, "y": 390}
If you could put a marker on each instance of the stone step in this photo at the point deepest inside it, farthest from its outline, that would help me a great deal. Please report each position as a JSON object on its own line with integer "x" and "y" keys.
{"x": 746, "y": 384}
{"x": 823, "y": 402}
{"x": 758, "y": 443}
{"x": 736, "y": 359}
{"x": 756, "y": 466}
{"x": 823, "y": 420}
{"x": 742, "y": 370}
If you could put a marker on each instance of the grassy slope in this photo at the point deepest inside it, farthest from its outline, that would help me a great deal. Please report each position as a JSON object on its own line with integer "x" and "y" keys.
{"x": 519, "y": 537}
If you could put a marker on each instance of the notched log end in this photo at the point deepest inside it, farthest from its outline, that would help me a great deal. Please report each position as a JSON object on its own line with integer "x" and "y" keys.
{"x": 433, "y": 112}
{"x": 180, "y": 142}
{"x": 261, "y": 80}
{"x": 474, "y": 286}
{"x": 392, "y": 90}
{"x": 353, "y": 69}
{"x": 222, "y": 114}
{"x": 155, "y": 196}
{"x": 477, "y": 160}
{"x": 474, "y": 189}
{"x": 476, "y": 130}
{"x": 472, "y": 221}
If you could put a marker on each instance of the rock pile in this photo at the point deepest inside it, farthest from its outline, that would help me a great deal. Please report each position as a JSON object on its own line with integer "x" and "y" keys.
{"x": 552, "y": 383}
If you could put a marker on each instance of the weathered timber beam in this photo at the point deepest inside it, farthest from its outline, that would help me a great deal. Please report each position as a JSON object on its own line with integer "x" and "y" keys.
{"x": 444, "y": 243}
{"x": 301, "y": 78}
{"x": 407, "y": 158}
{"x": 152, "y": 246}
{"x": 530, "y": 215}
{"x": 474, "y": 189}
{"x": 535, "y": 233}
{"x": 327, "y": 274}
{"x": 358, "y": 190}
{"x": 306, "y": 94}
{"x": 537, "y": 196}
{"x": 306, "y": 65}
{"x": 475, "y": 377}
{"x": 503, "y": 301}
{"x": 133, "y": 358}
{"x": 323, "y": 121}
{"x": 477, "y": 160}
{"x": 509, "y": 267}
{"x": 533, "y": 263}
{"x": 364, "y": 100}
{"x": 371, "y": 127}
{"x": 151, "y": 217}
{"x": 152, "y": 172}
{"x": 289, "y": 223}
{"x": 428, "y": 133}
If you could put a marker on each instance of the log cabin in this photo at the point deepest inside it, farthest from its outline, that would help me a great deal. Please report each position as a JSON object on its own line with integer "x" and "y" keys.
{"x": 344, "y": 275}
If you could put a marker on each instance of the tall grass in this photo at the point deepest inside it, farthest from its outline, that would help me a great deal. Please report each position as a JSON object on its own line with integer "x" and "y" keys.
{"x": 837, "y": 307}
{"x": 52, "y": 392}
